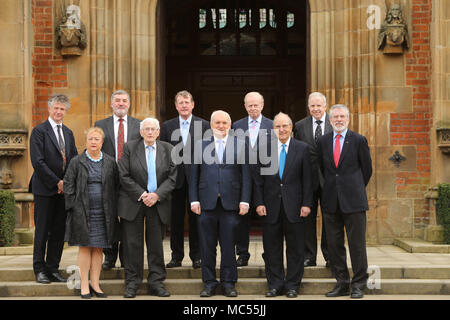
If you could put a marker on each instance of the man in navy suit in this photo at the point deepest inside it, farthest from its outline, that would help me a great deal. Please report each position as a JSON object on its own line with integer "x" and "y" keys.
{"x": 345, "y": 161}
{"x": 284, "y": 199}
{"x": 219, "y": 192}
{"x": 52, "y": 146}
{"x": 309, "y": 130}
{"x": 257, "y": 131}
{"x": 182, "y": 132}
{"x": 119, "y": 129}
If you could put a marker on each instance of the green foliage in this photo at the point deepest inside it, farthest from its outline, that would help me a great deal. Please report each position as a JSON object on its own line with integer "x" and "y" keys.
{"x": 7, "y": 218}
{"x": 443, "y": 209}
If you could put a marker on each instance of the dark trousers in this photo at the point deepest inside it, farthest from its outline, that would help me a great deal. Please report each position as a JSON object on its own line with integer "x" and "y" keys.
{"x": 218, "y": 225}
{"x": 273, "y": 236}
{"x": 243, "y": 235}
{"x": 355, "y": 227}
{"x": 179, "y": 200}
{"x": 50, "y": 224}
{"x": 133, "y": 248}
{"x": 115, "y": 250}
{"x": 311, "y": 232}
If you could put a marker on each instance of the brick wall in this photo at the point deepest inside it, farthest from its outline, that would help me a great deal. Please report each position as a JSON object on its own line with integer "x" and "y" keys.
{"x": 49, "y": 68}
{"x": 413, "y": 129}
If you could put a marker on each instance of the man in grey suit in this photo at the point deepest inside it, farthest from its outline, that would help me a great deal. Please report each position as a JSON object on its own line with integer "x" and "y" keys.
{"x": 147, "y": 177}
{"x": 309, "y": 130}
{"x": 118, "y": 129}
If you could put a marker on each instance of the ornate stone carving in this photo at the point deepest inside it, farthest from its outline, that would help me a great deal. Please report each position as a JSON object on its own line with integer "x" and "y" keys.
{"x": 71, "y": 32}
{"x": 393, "y": 36}
{"x": 12, "y": 144}
{"x": 444, "y": 140}
{"x": 397, "y": 158}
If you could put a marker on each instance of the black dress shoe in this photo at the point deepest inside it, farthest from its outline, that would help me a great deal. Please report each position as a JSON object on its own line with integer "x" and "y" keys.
{"x": 291, "y": 293}
{"x": 173, "y": 264}
{"x": 56, "y": 277}
{"x": 97, "y": 294}
{"x": 41, "y": 277}
{"x": 207, "y": 292}
{"x": 272, "y": 293}
{"x": 309, "y": 263}
{"x": 159, "y": 292}
{"x": 357, "y": 293}
{"x": 129, "y": 293}
{"x": 86, "y": 296}
{"x": 196, "y": 264}
{"x": 108, "y": 265}
{"x": 338, "y": 291}
{"x": 242, "y": 262}
{"x": 230, "y": 292}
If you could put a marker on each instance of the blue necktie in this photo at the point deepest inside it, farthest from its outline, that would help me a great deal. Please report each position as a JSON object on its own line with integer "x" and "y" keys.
{"x": 220, "y": 151}
{"x": 184, "y": 131}
{"x": 151, "y": 170}
{"x": 282, "y": 160}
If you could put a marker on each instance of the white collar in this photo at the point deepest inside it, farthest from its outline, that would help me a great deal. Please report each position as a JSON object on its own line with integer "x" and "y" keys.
{"x": 286, "y": 143}
{"x": 188, "y": 119}
{"x": 321, "y": 119}
{"x": 224, "y": 139}
{"x": 116, "y": 118}
{"x": 259, "y": 119}
{"x": 53, "y": 123}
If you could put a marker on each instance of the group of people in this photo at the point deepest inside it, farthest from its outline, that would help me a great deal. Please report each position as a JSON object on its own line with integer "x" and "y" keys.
{"x": 128, "y": 185}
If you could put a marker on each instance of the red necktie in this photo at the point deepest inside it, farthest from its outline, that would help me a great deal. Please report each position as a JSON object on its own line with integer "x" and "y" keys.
{"x": 337, "y": 150}
{"x": 120, "y": 140}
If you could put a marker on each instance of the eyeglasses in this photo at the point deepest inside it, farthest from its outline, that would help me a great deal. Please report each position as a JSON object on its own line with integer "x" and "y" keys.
{"x": 150, "y": 129}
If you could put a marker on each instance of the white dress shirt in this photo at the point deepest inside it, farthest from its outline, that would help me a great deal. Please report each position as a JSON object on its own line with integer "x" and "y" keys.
{"x": 280, "y": 147}
{"x": 253, "y": 133}
{"x": 116, "y": 130}
{"x": 55, "y": 129}
{"x": 322, "y": 125}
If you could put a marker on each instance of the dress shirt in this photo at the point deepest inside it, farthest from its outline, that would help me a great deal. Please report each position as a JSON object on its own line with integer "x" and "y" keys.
{"x": 280, "y": 147}
{"x": 322, "y": 125}
{"x": 253, "y": 133}
{"x": 55, "y": 129}
{"x": 116, "y": 131}
{"x": 146, "y": 159}
{"x": 341, "y": 139}
{"x": 184, "y": 135}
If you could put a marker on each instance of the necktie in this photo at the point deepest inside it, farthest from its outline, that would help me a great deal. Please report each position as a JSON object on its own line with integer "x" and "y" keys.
{"x": 184, "y": 131}
{"x": 62, "y": 147}
{"x": 318, "y": 132}
{"x": 151, "y": 170}
{"x": 120, "y": 140}
{"x": 282, "y": 161}
{"x": 253, "y": 133}
{"x": 220, "y": 151}
{"x": 337, "y": 150}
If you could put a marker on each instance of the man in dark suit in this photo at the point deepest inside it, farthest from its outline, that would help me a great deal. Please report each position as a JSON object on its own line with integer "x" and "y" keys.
{"x": 345, "y": 161}
{"x": 284, "y": 199}
{"x": 219, "y": 192}
{"x": 118, "y": 129}
{"x": 182, "y": 132}
{"x": 147, "y": 178}
{"x": 257, "y": 129}
{"x": 52, "y": 146}
{"x": 309, "y": 130}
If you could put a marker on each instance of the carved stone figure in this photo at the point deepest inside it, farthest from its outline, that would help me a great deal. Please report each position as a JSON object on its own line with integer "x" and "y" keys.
{"x": 393, "y": 36}
{"x": 71, "y": 32}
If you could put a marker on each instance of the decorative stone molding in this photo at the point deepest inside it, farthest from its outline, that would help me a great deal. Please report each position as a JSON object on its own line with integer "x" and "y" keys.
{"x": 13, "y": 143}
{"x": 397, "y": 158}
{"x": 71, "y": 32}
{"x": 393, "y": 37}
{"x": 444, "y": 140}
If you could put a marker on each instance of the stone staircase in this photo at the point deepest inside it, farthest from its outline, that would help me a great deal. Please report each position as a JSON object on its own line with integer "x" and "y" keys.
{"x": 395, "y": 280}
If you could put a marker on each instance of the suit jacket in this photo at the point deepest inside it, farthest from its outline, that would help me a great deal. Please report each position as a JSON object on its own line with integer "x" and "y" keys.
{"x": 47, "y": 160}
{"x": 107, "y": 125}
{"x": 303, "y": 131}
{"x": 347, "y": 182}
{"x": 295, "y": 187}
{"x": 133, "y": 179}
{"x": 230, "y": 181}
{"x": 167, "y": 128}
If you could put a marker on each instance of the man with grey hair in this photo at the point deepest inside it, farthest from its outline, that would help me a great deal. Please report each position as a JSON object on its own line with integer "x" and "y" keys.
{"x": 118, "y": 128}
{"x": 147, "y": 177}
{"x": 52, "y": 146}
{"x": 182, "y": 132}
{"x": 309, "y": 130}
{"x": 344, "y": 158}
{"x": 257, "y": 129}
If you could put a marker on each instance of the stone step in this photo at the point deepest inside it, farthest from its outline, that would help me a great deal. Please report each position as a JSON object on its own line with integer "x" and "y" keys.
{"x": 421, "y": 246}
{"x": 387, "y": 272}
{"x": 244, "y": 287}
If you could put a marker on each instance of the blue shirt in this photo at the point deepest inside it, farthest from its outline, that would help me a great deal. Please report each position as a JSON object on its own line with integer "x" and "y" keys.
{"x": 341, "y": 139}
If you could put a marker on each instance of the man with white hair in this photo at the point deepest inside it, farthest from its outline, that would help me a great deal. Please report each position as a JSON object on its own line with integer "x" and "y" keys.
{"x": 309, "y": 130}
{"x": 147, "y": 177}
{"x": 344, "y": 158}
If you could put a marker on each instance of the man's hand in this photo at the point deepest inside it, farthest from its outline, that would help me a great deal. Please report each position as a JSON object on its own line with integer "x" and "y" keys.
{"x": 243, "y": 209}
{"x": 150, "y": 199}
{"x": 195, "y": 208}
{"x": 304, "y": 212}
{"x": 60, "y": 187}
{"x": 261, "y": 211}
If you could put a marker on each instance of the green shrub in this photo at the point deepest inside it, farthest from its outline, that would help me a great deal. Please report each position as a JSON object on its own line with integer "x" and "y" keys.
{"x": 7, "y": 218}
{"x": 443, "y": 209}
